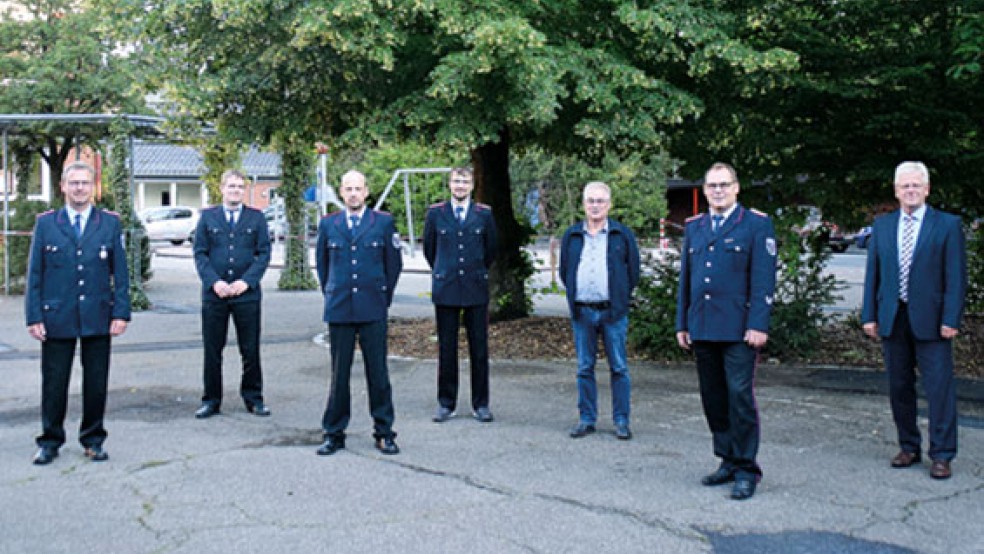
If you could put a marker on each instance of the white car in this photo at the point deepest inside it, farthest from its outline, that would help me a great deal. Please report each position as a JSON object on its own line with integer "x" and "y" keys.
{"x": 172, "y": 223}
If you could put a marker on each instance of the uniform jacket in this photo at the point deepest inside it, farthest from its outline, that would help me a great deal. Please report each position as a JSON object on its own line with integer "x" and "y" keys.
{"x": 76, "y": 286}
{"x": 623, "y": 265}
{"x": 728, "y": 278}
{"x": 358, "y": 274}
{"x": 937, "y": 276}
{"x": 231, "y": 254}
{"x": 460, "y": 254}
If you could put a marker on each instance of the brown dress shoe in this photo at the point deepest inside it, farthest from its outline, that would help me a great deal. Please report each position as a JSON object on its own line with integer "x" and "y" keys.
{"x": 940, "y": 469}
{"x": 906, "y": 459}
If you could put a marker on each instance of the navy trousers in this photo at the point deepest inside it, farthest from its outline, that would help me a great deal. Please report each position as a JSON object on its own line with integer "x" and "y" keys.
{"x": 56, "y": 374}
{"x": 215, "y": 329}
{"x": 726, "y": 371}
{"x": 372, "y": 342}
{"x": 935, "y": 360}
{"x": 476, "y": 319}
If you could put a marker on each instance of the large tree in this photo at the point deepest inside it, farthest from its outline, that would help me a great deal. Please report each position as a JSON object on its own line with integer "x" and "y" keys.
{"x": 880, "y": 82}
{"x": 590, "y": 78}
{"x": 57, "y": 60}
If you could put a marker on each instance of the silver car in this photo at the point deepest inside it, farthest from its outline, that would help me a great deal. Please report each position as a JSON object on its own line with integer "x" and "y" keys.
{"x": 171, "y": 223}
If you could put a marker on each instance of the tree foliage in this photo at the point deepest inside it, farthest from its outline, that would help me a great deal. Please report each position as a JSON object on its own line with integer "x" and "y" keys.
{"x": 590, "y": 79}
{"x": 57, "y": 60}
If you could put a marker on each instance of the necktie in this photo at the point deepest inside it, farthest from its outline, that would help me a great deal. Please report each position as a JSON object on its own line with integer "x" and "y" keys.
{"x": 78, "y": 225}
{"x": 717, "y": 219}
{"x": 231, "y": 217}
{"x": 354, "y": 219}
{"x": 905, "y": 255}
{"x": 459, "y": 212}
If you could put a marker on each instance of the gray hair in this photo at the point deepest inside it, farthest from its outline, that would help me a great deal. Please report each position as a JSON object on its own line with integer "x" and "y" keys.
{"x": 597, "y": 185}
{"x": 912, "y": 167}
{"x": 78, "y": 166}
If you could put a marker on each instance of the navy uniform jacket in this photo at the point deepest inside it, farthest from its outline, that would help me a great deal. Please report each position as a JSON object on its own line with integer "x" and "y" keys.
{"x": 623, "y": 265}
{"x": 230, "y": 254}
{"x": 76, "y": 286}
{"x": 728, "y": 278}
{"x": 937, "y": 276}
{"x": 358, "y": 274}
{"x": 460, "y": 254}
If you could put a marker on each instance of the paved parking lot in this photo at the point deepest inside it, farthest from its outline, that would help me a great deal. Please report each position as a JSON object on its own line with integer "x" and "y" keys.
{"x": 237, "y": 483}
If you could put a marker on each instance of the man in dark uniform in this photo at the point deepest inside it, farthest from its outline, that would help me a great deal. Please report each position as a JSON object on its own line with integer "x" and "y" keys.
{"x": 232, "y": 251}
{"x": 78, "y": 291}
{"x": 459, "y": 244}
{"x": 914, "y": 291}
{"x": 359, "y": 262}
{"x": 727, "y": 281}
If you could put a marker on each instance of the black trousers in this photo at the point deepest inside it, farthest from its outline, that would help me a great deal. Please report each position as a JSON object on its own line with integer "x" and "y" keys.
{"x": 56, "y": 374}
{"x": 372, "y": 342}
{"x": 935, "y": 360}
{"x": 476, "y": 320}
{"x": 726, "y": 371}
{"x": 215, "y": 329}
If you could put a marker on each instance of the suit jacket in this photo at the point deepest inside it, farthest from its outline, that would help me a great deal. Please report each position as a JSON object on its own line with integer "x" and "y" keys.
{"x": 460, "y": 254}
{"x": 358, "y": 271}
{"x": 727, "y": 278}
{"x": 76, "y": 286}
{"x": 937, "y": 276}
{"x": 230, "y": 254}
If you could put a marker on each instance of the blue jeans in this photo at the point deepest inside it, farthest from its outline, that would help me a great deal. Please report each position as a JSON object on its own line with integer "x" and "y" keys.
{"x": 588, "y": 323}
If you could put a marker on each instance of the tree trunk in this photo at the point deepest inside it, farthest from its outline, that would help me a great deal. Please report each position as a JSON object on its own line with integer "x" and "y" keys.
{"x": 296, "y": 167}
{"x": 507, "y": 279}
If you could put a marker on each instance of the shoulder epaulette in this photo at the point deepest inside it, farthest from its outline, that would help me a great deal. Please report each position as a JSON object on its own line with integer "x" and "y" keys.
{"x": 438, "y": 204}
{"x": 481, "y": 206}
{"x": 383, "y": 212}
{"x": 111, "y": 212}
{"x": 758, "y": 212}
{"x": 45, "y": 213}
{"x": 694, "y": 218}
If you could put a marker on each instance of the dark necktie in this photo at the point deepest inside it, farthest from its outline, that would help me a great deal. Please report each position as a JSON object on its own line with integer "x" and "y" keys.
{"x": 78, "y": 226}
{"x": 905, "y": 255}
{"x": 231, "y": 217}
{"x": 459, "y": 213}
{"x": 717, "y": 220}
{"x": 354, "y": 219}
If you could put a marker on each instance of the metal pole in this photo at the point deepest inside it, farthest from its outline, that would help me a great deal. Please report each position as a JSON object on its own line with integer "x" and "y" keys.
{"x": 6, "y": 219}
{"x": 135, "y": 238}
{"x": 406, "y": 198}
{"x": 322, "y": 184}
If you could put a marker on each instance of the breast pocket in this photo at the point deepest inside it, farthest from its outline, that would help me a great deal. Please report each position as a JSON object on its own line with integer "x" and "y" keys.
{"x": 55, "y": 256}
{"x": 738, "y": 254}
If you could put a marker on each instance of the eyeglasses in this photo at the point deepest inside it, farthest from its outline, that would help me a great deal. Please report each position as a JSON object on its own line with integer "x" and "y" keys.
{"x": 718, "y": 186}
{"x": 596, "y": 201}
{"x": 909, "y": 186}
{"x": 78, "y": 183}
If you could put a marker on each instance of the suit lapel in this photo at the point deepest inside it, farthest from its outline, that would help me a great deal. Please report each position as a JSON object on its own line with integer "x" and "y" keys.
{"x": 925, "y": 232}
{"x": 64, "y": 224}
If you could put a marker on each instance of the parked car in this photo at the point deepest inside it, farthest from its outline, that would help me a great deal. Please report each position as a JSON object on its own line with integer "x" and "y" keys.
{"x": 171, "y": 223}
{"x": 862, "y": 236}
{"x": 836, "y": 239}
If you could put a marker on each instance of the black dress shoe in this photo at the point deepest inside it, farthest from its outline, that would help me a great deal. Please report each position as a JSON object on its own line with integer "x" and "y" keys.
{"x": 45, "y": 455}
{"x": 582, "y": 430}
{"x": 906, "y": 459}
{"x": 96, "y": 453}
{"x": 207, "y": 410}
{"x": 443, "y": 414}
{"x": 387, "y": 446}
{"x": 721, "y": 476}
{"x": 483, "y": 415}
{"x": 331, "y": 445}
{"x": 257, "y": 409}
{"x": 622, "y": 431}
{"x": 744, "y": 489}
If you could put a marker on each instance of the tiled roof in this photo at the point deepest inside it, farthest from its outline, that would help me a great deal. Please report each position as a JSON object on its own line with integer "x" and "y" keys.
{"x": 154, "y": 160}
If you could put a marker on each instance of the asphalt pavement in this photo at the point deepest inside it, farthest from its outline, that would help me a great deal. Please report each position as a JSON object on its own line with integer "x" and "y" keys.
{"x": 240, "y": 483}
